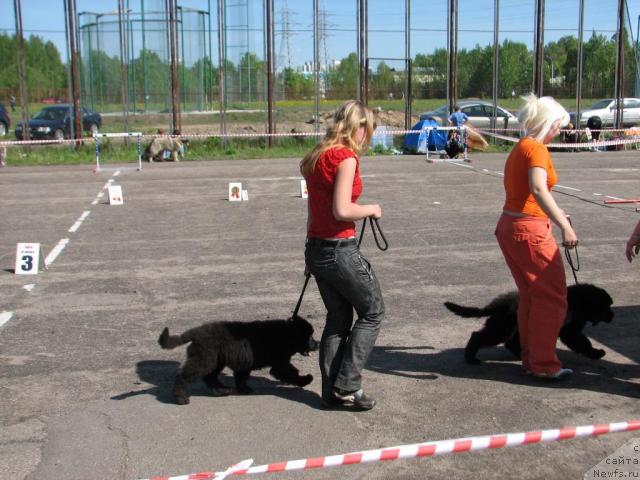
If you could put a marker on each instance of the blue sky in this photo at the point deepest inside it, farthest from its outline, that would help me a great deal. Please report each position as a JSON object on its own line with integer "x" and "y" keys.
{"x": 386, "y": 23}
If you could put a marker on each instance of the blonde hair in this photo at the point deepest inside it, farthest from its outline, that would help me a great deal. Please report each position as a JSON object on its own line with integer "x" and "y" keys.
{"x": 342, "y": 130}
{"x": 537, "y": 115}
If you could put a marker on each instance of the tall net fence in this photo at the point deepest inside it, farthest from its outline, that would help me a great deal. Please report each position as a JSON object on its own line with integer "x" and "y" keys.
{"x": 146, "y": 59}
{"x": 317, "y": 54}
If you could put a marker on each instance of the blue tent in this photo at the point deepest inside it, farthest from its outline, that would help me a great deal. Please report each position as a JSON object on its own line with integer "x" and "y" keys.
{"x": 429, "y": 137}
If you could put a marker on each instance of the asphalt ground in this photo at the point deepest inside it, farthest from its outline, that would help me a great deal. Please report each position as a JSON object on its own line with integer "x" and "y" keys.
{"x": 85, "y": 390}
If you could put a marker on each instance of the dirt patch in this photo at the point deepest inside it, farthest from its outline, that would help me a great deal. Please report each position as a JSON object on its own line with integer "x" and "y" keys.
{"x": 299, "y": 122}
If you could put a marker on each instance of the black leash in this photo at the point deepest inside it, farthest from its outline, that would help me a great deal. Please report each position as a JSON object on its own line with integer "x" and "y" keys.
{"x": 304, "y": 287}
{"x": 375, "y": 225}
{"x": 575, "y": 266}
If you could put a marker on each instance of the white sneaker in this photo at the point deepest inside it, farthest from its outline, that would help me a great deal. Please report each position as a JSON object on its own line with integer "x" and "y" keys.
{"x": 559, "y": 375}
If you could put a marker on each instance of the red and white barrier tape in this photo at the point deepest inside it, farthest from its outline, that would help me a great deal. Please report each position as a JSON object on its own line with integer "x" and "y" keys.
{"x": 592, "y": 144}
{"x": 428, "y": 449}
{"x": 635, "y": 138}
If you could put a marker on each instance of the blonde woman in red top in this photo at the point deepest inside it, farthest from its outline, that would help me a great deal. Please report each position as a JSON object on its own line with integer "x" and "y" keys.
{"x": 525, "y": 238}
{"x": 345, "y": 278}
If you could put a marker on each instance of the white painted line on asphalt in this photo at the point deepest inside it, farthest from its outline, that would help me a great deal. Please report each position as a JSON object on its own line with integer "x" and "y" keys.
{"x": 29, "y": 287}
{"x": 436, "y": 203}
{"x": 116, "y": 173}
{"x": 56, "y": 251}
{"x": 613, "y": 198}
{"x": 76, "y": 225}
{"x": 277, "y": 179}
{"x": 95, "y": 202}
{"x": 568, "y": 188}
{"x": 5, "y": 317}
{"x": 460, "y": 164}
{"x": 100, "y": 195}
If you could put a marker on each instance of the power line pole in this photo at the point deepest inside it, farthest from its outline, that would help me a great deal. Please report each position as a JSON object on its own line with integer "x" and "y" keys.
{"x": 453, "y": 54}
{"x": 286, "y": 33}
{"x": 124, "y": 90}
{"x": 619, "y": 75}
{"x": 539, "y": 49}
{"x": 173, "y": 54}
{"x": 323, "y": 28}
{"x": 17, "y": 8}
{"x": 75, "y": 68}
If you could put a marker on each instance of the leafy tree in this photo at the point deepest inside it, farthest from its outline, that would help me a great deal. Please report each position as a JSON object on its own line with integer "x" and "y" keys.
{"x": 599, "y": 66}
{"x": 296, "y": 85}
{"x": 343, "y": 81}
{"x": 515, "y": 68}
{"x": 475, "y": 72}
{"x": 383, "y": 82}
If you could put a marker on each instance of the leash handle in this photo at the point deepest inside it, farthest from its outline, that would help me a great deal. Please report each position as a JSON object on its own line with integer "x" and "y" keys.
{"x": 375, "y": 225}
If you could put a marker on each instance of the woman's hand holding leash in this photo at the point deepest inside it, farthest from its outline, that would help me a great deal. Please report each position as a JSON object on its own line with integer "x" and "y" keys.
{"x": 569, "y": 237}
{"x": 376, "y": 211}
{"x": 633, "y": 244}
{"x": 569, "y": 241}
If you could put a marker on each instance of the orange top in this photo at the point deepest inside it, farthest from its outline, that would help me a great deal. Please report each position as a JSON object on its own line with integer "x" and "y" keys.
{"x": 526, "y": 154}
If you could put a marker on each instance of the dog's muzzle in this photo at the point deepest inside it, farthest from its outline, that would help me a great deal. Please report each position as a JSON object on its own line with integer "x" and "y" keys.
{"x": 312, "y": 347}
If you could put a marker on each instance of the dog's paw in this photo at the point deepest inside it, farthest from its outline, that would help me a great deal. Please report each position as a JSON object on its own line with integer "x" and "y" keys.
{"x": 245, "y": 390}
{"x": 597, "y": 354}
{"x": 304, "y": 380}
{"x": 221, "y": 391}
{"x": 472, "y": 360}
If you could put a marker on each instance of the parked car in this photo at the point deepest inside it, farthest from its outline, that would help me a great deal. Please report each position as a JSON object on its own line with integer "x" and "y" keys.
{"x": 479, "y": 113}
{"x": 5, "y": 121}
{"x": 605, "y": 110}
{"x": 55, "y": 122}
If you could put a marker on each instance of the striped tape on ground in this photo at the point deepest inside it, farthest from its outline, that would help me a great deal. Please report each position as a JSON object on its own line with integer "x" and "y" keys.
{"x": 427, "y": 449}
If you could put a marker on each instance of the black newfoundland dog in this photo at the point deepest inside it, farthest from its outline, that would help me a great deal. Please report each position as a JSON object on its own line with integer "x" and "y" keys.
{"x": 243, "y": 347}
{"x": 586, "y": 303}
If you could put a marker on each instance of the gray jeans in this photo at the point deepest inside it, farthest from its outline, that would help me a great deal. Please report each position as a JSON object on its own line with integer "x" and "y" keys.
{"x": 346, "y": 282}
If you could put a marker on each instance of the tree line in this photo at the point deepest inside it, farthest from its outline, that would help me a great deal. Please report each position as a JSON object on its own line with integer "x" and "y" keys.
{"x": 46, "y": 74}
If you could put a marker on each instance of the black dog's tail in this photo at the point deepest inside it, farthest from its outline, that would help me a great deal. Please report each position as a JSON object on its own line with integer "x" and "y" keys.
{"x": 467, "y": 312}
{"x": 167, "y": 341}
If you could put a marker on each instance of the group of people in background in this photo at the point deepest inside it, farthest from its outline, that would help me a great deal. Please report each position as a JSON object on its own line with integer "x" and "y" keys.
{"x": 346, "y": 279}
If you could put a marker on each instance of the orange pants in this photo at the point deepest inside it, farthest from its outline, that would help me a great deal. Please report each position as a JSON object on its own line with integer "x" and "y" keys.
{"x": 535, "y": 262}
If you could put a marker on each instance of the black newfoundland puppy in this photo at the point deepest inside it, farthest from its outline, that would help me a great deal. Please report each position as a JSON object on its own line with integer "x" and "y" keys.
{"x": 243, "y": 347}
{"x": 586, "y": 303}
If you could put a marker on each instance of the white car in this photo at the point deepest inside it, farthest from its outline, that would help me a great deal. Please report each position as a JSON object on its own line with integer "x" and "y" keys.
{"x": 605, "y": 110}
{"x": 479, "y": 113}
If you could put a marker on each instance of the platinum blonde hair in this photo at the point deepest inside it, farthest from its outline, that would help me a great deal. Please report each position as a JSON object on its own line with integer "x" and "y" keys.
{"x": 537, "y": 115}
{"x": 342, "y": 130}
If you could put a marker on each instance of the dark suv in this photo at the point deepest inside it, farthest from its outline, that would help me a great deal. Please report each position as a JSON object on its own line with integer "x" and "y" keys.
{"x": 5, "y": 121}
{"x": 55, "y": 122}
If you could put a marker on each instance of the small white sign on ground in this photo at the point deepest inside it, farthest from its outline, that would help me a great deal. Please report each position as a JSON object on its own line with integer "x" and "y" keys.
{"x": 304, "y": 193}
{"x": 115, "y": 195}
{"x": 235, "y": 191}
{"x": 27, "y": 259}
{"x": 245, "y": 195}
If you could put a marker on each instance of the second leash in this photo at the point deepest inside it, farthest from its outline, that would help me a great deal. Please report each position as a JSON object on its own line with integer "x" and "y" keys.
{"x": 575, "y": 266}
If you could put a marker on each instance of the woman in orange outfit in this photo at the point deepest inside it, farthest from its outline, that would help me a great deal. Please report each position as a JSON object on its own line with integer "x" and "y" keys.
{"x": 525, "y": 238}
